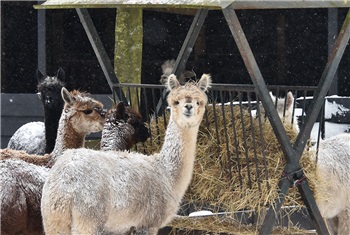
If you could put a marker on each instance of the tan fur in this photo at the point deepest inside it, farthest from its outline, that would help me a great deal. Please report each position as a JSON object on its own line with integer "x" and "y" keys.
{"x": 39, "y": 160}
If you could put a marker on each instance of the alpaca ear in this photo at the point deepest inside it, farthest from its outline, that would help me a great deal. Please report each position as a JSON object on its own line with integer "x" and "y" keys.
{"x": 168, "y": 65}
{"x": 289, "y": 100}
{"x": 205, "y": 82}
{"x": 189, "y": 74}
{"x": 40, "y": 76}
{"x": 273, "y": 98}
{"x": 61, "y": 75}
{"x": 67, "y": 97}
{"x": 172, "y": 82}
{"x": 121, "y": 108}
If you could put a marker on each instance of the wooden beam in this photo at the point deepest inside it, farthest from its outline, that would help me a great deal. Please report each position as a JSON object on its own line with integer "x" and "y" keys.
{"x": 185, "y": 51}
{"x": 101, "y": 54}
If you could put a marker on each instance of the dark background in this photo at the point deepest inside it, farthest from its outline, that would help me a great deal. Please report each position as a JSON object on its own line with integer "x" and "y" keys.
{"x": 290, "y": 46}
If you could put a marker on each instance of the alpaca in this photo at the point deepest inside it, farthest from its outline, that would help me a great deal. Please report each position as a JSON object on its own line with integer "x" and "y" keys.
{"x": 332, "y": 191}
{"x": 167, "y": 69}
{"x": 284, "y": 108}
{"x": 90, "y": 192}
{"x": 39, "y": 137}
{"x": 21, "y": 182}
{"x": 123, "y": 129}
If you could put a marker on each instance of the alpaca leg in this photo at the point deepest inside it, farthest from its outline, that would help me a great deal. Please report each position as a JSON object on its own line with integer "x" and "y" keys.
{"x": 132, "y": 231}
{"x": 144, "y": 231}
{"x": 85, "y": 228}
{"x": 344, "y": 222}
{"x": 332, "y": 225}
{"x": 329, "y": 205}
{"x": 55, "y": 222}
{"x": 56, "y": 229}
{"x": 83, "y": 225}
{"x": 151, "y": 231}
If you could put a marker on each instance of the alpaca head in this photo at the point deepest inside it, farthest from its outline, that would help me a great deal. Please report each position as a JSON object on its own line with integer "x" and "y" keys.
{"x": 188, "y": 102}
{"x": 167, "y": 69}
{"x": 134, "y": 118}
{"x": 284, "y": 106}
{"x": 126, "y": 123}
{"x": 86, "y": 114}
{"x": 49, "y": 89}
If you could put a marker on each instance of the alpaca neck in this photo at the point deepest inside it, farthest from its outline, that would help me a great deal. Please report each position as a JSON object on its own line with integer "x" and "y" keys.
{"x": 67, "y": 138}
{"x": 178, "y": 154}
{"x": 117, "y": 137}
{"x": 52, "y": 117}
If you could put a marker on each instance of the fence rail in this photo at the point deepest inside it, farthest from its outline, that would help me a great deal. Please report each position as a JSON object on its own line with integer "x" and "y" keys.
{"x": 232, "y": 131}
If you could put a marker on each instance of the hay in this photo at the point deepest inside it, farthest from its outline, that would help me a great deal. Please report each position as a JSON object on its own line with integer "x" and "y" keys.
{"x": 225, "y": 225}
{"x": 233, "y": 174}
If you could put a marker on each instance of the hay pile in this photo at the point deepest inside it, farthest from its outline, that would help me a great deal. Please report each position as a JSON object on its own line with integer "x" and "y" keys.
{"x": 225, "y": 225}
{"x": 230, "y": 174}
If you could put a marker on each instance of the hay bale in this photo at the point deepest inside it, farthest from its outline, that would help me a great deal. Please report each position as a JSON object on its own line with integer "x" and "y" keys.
{"x": 239, "y": 170}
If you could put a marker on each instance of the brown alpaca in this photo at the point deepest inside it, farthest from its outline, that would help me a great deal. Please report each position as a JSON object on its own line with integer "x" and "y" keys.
{"x": 70, "y": 134}
{"x": 123, "y": 129}
{"x": 21, "y": 182}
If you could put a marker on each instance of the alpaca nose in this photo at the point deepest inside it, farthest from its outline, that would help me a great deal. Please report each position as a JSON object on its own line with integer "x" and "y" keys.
{"x": 188, "y": 107}
{"x": 48, "y": 100}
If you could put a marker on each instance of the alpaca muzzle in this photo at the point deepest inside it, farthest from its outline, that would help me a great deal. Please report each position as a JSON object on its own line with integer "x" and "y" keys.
{"x": 188, "y": 110}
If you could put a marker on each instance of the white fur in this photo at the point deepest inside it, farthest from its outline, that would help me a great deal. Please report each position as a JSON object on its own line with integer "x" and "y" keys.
{"x": 90, "y": 192}
{"x": 333, "y": 174}
{"x": 284, "y": 108}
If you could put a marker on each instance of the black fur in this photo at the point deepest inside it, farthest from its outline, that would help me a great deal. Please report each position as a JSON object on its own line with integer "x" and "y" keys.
{"x": 49, "y": 89}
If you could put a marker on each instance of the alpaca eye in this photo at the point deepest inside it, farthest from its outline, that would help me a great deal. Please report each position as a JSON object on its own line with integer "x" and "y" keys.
{"x": 176, "y": 102}
{"x": 197, "y": 103}
{"x": 87, "y": 111}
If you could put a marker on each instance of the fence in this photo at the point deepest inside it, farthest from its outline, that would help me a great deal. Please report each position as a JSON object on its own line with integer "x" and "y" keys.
{"x": 150, "y": 100}
{"x": 236, "y": 151}
{"x": 235, "y": 148}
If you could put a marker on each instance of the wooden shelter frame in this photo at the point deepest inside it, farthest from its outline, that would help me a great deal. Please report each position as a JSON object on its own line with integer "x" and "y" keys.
{"x": 293, "y": 173}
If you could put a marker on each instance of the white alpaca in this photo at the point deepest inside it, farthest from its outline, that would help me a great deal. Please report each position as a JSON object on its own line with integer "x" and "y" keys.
{"x": 332, "y": 191}
{"x": 284, "y": 108}
{"x": 90, "y": 192}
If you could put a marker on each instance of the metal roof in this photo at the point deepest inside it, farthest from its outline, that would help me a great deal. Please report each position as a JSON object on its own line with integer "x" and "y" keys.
{"x": 209, "y": 4}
